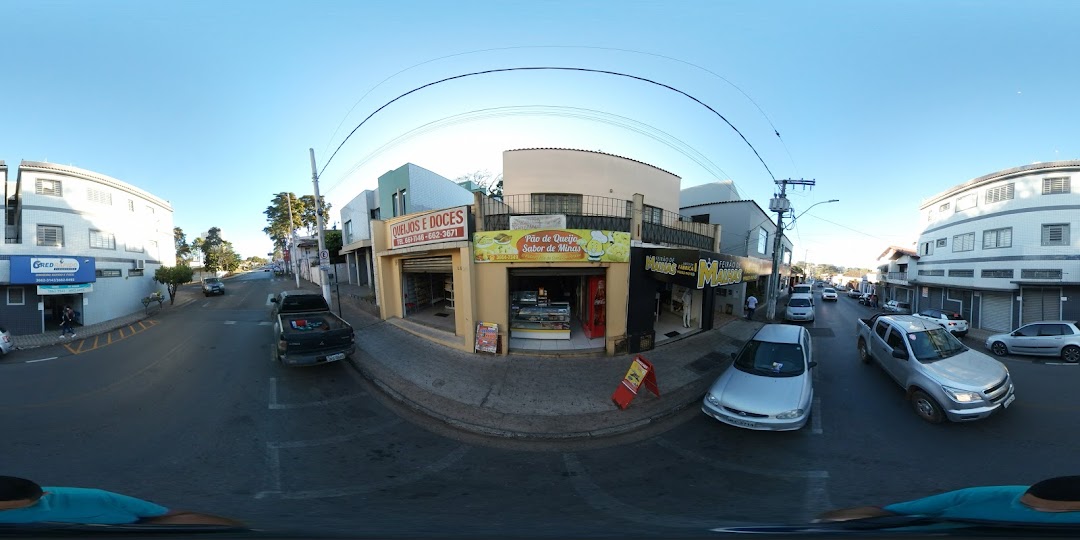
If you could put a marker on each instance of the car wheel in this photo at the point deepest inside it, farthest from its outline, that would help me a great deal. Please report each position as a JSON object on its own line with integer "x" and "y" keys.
{"x": 1071, "y": 354}
{"x": 999, "y": 348}
{"x": 926, "y": 407}
{"x": 864, "y": 355}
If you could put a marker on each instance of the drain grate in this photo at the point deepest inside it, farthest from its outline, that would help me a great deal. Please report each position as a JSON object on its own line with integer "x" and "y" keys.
{"x": 442, "y": 314}
{"x": 708, "y": 362}
{"x": 671, "y": 334}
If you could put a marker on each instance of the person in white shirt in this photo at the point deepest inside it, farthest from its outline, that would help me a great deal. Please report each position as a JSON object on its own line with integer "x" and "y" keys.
{"x": 751, "y": 305}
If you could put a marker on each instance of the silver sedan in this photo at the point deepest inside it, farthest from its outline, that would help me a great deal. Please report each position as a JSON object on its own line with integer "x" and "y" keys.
{"x": 768, "y": 386}
{"x": 1044, "y": 338}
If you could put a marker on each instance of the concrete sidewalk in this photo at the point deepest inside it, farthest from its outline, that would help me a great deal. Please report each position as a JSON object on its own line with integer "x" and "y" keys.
{"x": 536, "y": 397}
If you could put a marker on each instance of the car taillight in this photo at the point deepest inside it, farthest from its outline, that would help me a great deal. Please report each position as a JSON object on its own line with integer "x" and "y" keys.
{"x": 7, "y": 339}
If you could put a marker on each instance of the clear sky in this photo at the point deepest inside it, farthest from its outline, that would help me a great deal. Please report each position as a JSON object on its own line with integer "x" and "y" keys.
{"x": 213, "y": 105}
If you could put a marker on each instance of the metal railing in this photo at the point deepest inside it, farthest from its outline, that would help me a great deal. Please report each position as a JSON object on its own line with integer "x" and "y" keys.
{"x": 897, "y": 276}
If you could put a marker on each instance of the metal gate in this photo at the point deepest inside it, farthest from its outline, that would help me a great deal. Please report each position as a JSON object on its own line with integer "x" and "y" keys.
{"x": 1040, "y": 304}
{"x": 996, "y": 312}
{"x": 430, "y": 265}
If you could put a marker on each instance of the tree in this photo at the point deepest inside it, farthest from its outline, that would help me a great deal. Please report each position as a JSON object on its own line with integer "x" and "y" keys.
{"x": 183, "y": 250}
{"x": 279, "y": 228}
{"x": 172, "y": 277}
{"x": 332, "y": 240}
{"x": 211, "y": 247}
{"x": 307, "y": 213}
{"x": 490, "y": 185}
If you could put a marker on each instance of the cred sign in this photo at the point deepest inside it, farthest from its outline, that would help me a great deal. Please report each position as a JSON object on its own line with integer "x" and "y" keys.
{"x": 438, "y": 226}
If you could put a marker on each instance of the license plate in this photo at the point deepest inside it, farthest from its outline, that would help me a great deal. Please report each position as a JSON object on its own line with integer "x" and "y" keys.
{"x": 1008, "y": 401}
{"x": 335, "y": 357}
{"x": 742, "y": 423}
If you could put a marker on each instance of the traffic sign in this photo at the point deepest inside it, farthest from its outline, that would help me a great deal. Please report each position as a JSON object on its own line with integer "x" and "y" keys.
{"x": 324, "y": 255}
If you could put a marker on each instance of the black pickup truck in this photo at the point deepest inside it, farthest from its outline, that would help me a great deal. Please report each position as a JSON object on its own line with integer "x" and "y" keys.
{"x": 307, "y": 332}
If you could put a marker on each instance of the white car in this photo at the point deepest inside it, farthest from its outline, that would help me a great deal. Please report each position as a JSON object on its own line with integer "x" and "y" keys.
{"x": 1044, "y": 338}
{"x": 829, "y": 293}
{"x": 6, "y": 344}
{"x": 894, "y": 306}
{"x": 950, "y": 320}
{"x": 768, "y": 386}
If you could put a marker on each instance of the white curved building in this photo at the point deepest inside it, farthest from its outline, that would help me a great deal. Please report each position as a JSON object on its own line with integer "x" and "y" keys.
{"x": 76, "y": 237}
{"x": 1003, "y": 249}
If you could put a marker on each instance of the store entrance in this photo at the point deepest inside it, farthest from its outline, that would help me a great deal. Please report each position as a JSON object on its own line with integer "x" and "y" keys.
{"x": 555, "y": 310}
{"x": 427, "y": 292}
{"x": 673, "y": 304}
{"x": 54, "y": 307}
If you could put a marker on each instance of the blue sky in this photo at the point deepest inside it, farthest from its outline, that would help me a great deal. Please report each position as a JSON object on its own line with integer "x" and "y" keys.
{"x": 213, "y": 106}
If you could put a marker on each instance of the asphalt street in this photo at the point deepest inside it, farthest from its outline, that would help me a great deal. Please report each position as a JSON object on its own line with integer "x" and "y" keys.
{"x": 190, "y": 412}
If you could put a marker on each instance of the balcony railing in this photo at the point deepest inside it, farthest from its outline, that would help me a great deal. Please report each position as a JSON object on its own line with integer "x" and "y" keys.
{"x": 672, "y": 228}
{"x": 897, "y": 276}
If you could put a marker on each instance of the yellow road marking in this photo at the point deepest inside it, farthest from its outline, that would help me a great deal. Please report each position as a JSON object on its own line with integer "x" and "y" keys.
{"x": 121, "y": 335}
{"x": 132, "y": 328}
{"x": 121, "y": 332}
{"x": 96, "y": 341}
{"x": 68, "y": 347}
{"x": 110, "y": 338}
{"x": 142, "y": 325}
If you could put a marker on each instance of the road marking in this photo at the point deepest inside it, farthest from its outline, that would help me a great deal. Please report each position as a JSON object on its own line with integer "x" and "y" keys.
{"x": 815, "y": 417}
{"x": 42, "y": 359}
{"x": 320, "y": 403}
{"x": 336, "y": 439}
{"x": 266, "y": 323}
{"x": 96, "y": 341}
{"x": 735, "y": 467}
{"x": 230, "y": 322}
{"x": 447, "y": 460}
{"x": 207, "y": 304}
{"x": 86, "y": 345}
{"x": 1063, "y": 363}
{"x": 270, "y": 297}
{"x": 274, "y": 459}
{"x": 273, "y": 392}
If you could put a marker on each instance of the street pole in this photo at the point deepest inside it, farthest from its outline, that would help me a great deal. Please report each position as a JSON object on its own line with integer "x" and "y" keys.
{"x": 323, "y": 269}
{"x": 778, "y": 205}
{"x": 292, "y": 236}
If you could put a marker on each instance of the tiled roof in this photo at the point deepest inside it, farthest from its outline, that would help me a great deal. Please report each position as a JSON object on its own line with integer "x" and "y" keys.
{"x": 596, "y": 152}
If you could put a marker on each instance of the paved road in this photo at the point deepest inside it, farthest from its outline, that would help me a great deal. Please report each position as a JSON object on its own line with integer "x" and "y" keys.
{"x": 190, "y": 412}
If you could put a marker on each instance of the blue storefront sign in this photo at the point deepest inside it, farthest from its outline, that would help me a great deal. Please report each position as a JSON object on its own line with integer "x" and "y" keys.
{"x": 31, "y": 270}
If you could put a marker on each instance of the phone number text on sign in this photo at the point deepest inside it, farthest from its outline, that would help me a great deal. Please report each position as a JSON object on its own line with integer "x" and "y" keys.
{"x": 431, "y": 227}
{"x": 430, "y": 236}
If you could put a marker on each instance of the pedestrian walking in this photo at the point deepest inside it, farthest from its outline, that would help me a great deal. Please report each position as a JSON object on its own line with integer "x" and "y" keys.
{"x": 751, "y": 305}
{"x": 66, "y": 319}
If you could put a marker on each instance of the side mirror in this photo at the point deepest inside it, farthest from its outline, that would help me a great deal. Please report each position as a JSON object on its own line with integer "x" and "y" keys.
{"x": 900, "y": 353}
{"x": 812, "y": 365}
{"x": 1014, "y": 334}
{"x": 274, "y": 300}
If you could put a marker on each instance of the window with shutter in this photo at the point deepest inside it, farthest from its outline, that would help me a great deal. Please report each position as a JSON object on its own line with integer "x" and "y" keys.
{"x": 99, "y": 196}
{"x": 1056, "y": 234}
{"x": 50, "y": 235}
{"x": 1000, "y": 193}
{"x": 48, "y": 187}
{"x": 102, "y": 240}
{"x": 965, "y": 202}
{"x": 963, "y": 242}
{"x": 1052, "y": 186}
{"x": 997, "y": 238}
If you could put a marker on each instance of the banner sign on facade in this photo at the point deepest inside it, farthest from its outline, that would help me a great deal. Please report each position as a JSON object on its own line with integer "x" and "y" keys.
{"x": 553, "y": 245}
{"x": 550, "y": 221}
{"x": 438, "y": 226}
{"x": 30, "y": 270}
{"x": 52, "y": 290}
{"x": 693, "y": 268}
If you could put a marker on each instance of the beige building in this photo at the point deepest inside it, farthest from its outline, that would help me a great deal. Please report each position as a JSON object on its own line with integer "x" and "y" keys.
{"x": 547, "y": 268}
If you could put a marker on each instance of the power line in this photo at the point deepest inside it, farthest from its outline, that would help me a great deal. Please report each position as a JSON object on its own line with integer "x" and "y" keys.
{"x": 549, "y": 68}
{"x": 684, "y": 62}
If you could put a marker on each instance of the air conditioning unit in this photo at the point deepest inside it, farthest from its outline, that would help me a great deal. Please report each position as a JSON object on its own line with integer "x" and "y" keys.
{"x": 140, "y": 264}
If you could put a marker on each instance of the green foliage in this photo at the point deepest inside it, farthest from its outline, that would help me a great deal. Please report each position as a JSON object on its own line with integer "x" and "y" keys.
{"x": 183, "y": 250}
{"x": 172, "y": 277}
{"x": 307, "y": 213}
{"x": 279, "y": 225}
{"x": 332, "y": 238}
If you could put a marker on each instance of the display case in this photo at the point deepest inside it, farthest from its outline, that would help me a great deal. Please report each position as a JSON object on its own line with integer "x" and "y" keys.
{"x": 540, "y": 322}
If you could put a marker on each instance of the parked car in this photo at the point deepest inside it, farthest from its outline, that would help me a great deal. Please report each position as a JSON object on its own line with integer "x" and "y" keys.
{"x": 943, "y": 378}
{"x": 801, "y": 288}
{"x": 800, "y": 307}
{"x": 6, "y": 344}
{"x": 893, "y": 306}
{"x": 1045, "y": 338}
{"x": 864, "y": 299}
{"x": 950, "y": 320}
{"x": 306, "y": 332}
{"x": 829, "y": 293}
{"x": 212, "y": 285}
{"x": 854, "y": 293}
{"x": 768, "y": 386}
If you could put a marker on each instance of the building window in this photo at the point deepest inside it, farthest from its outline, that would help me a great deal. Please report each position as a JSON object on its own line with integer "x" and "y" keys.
{"x": 926, "y": 248}
{"x": 556, "y": 203}
{"x": 1053, "y": 186}
{"x": 149, "y": 209}
{"x": 762, "y": 241}
{"x": 106, "y": 273}
{"x": 99, "y": 196}
{"x": 942, "y": 242}
{"x": 50, "y": 235}
{"x": 404, "y": 206}
{"x": 997, "y": 238}
{"x": 963, "y": 242}
{"x": 135, "y": 272}
{"x": 652, "y": 214}
{"x": 394, "y": 203}
{"x": 135, "y": 246}
{"x": 131, "y": 205}
{"x": 700, "y": 218}
{"x": 943, "y": 207}
{"x": 374, "y": 213}
{"x": 1056, "y": 234}
{"x": 49, "y": 187}
{"x": 1040, "y": 274}
{"x": 16, "y": 296}
{"x": 931, "y": 272}
{"x": 102, "y": 240}
{"x": 966, "y": 202}
{"x": 1008, "y": 274}
{"x": 961, "y": 273}
{"x": 1000, "y": 193}
{"x": 348, "y": 232}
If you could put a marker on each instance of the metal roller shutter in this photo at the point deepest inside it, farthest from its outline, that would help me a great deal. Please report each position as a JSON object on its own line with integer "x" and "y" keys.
{"x": 428, "y": 265}
{"x": 996, "y": 312}
{"x": 1040, "y": 304}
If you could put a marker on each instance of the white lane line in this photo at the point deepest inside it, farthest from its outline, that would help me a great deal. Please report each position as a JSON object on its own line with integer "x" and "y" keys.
{"x": 599, "y": 500}
{"x": 206, "y": 304}
{"x": 273, "y": 392}
{"x": 337, "y": 439}
{"x": 815, "y": 417}
{"x": 447, "y": 460}
{"x": 1062, "y": 364}
{"x": 320, "y": 403}
{"x": 735, "y": 467}
{"x": 266, "y": 323}
{"x": 230, "y": 322}
{"x": 816, "y": 498}
{"x": 42, "y": 359}
{"x": 274, "y": 458}
{"x": 270, "y": 296}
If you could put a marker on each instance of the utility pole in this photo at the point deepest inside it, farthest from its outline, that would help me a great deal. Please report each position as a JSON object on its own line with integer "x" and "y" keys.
{"x": 779, "y": 204}
{"x": 292, "y": 238}
{"x": 323, "y": 263}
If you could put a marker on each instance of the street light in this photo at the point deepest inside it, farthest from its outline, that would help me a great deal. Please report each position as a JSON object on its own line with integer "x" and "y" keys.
{"x": 774, "y": 276}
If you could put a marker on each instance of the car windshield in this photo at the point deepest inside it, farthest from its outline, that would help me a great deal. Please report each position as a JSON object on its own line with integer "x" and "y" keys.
{"x": 934, "y": 344}
{"x": 830, "y": 290}
{"x": 799, "y": 302}
{"x": 212, "y": 280}
{"x": 771, "y": 359}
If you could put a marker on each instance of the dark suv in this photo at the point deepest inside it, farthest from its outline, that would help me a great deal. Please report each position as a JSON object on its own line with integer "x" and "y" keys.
{"x": 212, "y": 285}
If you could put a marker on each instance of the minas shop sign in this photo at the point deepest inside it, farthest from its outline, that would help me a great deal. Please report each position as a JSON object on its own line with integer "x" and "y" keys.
{"x": 438, "y": 226}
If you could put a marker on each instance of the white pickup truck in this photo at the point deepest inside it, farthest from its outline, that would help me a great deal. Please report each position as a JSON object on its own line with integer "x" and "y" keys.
{"x": 944, "y": 379}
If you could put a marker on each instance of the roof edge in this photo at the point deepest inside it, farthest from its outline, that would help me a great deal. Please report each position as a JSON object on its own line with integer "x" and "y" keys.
{"x": 596, "y": 152}
{"x": 44, "y": 166}
{"x": 1005, "y": 173}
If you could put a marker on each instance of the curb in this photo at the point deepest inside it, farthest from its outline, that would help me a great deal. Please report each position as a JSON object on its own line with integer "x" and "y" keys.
{"x": 103, "y": 330}
{"x": 697, "y": 392}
